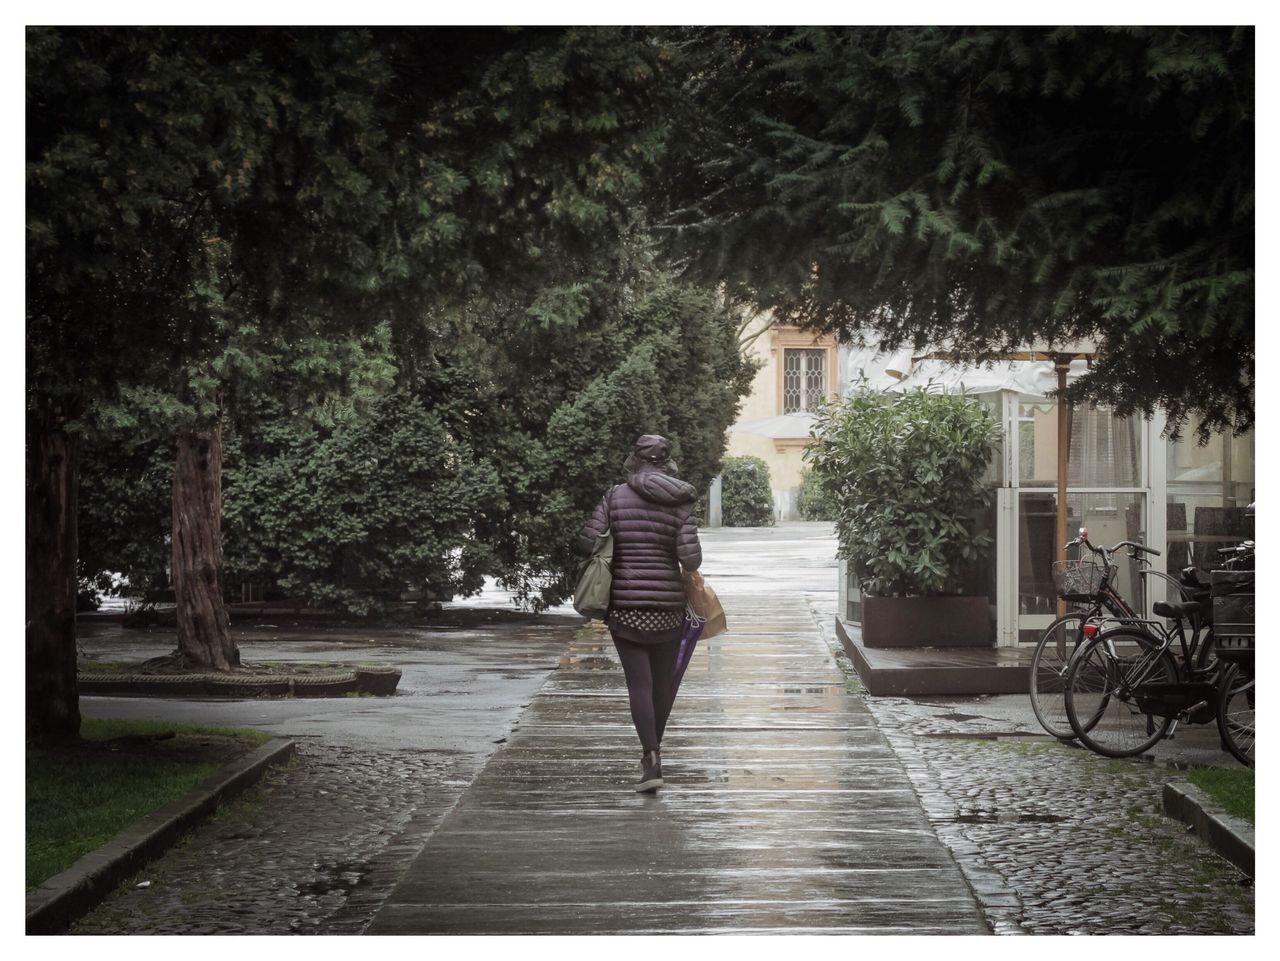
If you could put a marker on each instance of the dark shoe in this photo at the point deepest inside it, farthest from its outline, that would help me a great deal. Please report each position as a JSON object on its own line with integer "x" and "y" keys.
{"x": 651, "y": 774}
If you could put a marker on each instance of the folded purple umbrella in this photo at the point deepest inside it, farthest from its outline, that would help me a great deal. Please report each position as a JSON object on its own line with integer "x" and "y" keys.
{"x": 693, "y": 625}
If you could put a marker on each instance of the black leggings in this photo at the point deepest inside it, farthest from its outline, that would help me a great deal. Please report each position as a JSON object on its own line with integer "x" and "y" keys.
{"x": 649, "y": 669}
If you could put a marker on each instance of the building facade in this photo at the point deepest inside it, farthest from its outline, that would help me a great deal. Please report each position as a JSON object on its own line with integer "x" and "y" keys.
{"x": 800, "y": 371}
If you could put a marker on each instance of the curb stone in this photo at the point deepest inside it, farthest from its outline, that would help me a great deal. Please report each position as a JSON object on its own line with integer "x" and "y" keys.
{"x": 1230, "y": 836}
{"x": 998, "y": 902}
{"x": 376, "y": 680}
{"x": 66, "y": 896}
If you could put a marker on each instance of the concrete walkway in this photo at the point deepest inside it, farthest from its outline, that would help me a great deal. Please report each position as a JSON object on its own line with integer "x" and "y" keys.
{"x": 785, "y": 809}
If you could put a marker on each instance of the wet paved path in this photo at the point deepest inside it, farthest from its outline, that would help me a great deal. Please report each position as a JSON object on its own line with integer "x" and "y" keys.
{"x": 785, "y": 810}
{"x": 319, "y": 845}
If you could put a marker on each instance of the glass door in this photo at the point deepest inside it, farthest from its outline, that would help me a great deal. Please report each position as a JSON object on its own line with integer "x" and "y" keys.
{"x": 1208, "y": 491}
{"x": 1106, "y": 492}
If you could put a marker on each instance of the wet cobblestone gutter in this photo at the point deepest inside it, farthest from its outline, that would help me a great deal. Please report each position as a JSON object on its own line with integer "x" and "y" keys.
{"x": 1056, "y": 840}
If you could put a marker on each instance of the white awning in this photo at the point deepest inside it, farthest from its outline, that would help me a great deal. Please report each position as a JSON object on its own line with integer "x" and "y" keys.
{"x": 1038, "y": 378}
{"x": 880, "y": 369}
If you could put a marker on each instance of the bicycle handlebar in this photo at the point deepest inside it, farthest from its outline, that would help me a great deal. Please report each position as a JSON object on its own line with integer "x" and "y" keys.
{"x": 1106, "y": 552}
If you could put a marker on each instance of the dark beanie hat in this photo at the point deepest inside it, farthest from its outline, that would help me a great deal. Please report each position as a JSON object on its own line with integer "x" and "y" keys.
{"x": 651, "y": 449}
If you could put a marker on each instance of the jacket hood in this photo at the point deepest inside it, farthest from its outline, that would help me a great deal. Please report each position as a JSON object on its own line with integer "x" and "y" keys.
{"x": 653, "y": 485}
{"x": 651, "y": 449}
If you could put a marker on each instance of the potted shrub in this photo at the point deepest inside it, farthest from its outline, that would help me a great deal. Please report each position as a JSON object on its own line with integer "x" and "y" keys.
{"x": 905, "y": 477}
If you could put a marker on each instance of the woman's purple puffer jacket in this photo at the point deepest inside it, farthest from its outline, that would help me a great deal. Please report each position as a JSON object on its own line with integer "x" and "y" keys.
{"x": 652, "y": 537}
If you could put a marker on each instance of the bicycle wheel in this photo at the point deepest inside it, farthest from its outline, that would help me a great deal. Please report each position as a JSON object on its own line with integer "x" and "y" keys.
{"x": 1048, "y": 682}
{"x": 1235, "y": 712}
{"x": 1100, "y": 702}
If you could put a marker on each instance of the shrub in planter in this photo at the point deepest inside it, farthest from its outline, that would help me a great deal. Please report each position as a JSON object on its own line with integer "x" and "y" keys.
{"x": 814, "y": 502}
{"x": 746, "y": 498}
{"x": 905, "y": 474}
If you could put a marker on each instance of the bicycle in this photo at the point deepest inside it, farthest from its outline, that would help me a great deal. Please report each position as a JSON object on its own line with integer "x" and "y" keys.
{"x": 1125, "y": 690}
{"x": 1082, "y": 581}
{"x": 1233, "y": 597}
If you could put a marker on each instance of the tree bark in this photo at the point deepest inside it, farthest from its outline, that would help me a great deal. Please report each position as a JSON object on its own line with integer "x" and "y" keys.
{"x": 204, "y": 628}
{"x": 53, "y": 700}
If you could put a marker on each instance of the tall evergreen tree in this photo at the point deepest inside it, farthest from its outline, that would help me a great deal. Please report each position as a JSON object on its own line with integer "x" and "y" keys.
{"x": 979, "y": 188}
{"x": 201, "y": 200}
{"x": 204, "y": 202}
{"x": 165, "y": 169}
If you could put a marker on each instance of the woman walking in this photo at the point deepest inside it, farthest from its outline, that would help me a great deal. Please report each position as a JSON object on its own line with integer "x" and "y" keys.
{"x": 653, "y": 537}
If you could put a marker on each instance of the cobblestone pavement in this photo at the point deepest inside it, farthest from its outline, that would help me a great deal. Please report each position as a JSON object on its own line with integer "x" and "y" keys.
{"x": 313, "y": 849}
{"x": 1052, "y": 838}
{"x": 317, "y": 846}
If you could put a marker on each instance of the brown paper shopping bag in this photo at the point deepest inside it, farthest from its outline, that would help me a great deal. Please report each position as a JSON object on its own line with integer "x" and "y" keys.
{"x": 705, "y": 604}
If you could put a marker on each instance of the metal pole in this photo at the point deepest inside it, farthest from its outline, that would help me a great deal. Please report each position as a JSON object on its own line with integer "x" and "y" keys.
{"x": 1228, "y": 488}
{"x": 714, "y": 503}
{"x": 1061, "y": 364}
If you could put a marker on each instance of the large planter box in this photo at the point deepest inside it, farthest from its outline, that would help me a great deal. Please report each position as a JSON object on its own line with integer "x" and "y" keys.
{"x": 950, "y": 621}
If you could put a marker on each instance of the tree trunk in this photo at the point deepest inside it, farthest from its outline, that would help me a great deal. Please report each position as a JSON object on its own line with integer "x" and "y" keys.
{"x": 204, "y": 629}
{"x": 53, "y": 701}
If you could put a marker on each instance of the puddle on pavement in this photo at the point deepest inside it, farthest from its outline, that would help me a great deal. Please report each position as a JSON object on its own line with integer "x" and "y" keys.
{"x": 1006, "y": 817}
{"x": 988, "y": 735}
{"x": 828, "y": 689}
{"x": 343, "y": 877}
{"x": 589, "y": 662}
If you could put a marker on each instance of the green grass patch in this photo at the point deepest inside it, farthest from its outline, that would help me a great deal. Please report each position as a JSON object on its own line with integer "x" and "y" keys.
{"x": 102, "y": 667}
{"x": 1230, "y": 787}
{"x": 102, "y": 729}
{"x": 80, "y": 796}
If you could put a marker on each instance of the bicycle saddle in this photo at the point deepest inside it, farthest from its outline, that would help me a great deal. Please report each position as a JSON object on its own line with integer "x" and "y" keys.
{"x": 1177, "y": 609}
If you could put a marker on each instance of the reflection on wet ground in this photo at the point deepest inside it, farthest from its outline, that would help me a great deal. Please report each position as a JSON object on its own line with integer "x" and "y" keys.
{"x": 785, "y": 811}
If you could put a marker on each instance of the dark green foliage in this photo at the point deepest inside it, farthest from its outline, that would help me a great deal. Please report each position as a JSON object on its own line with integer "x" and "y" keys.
{"x": 980, "y": 188}
{"x": 904, "y": 474}
{"x": 277, "y": 224}
{"x": 746, "y": 499}
{"x": 488, "y": 464}
{"x": 125, "y": 497}
{"x": 349, "y": 517}
{"x": 814, "y": 502}
{"x": 562, "y": 409}
{"x": 204, "y": 202}
{"x": 193, "y": 196}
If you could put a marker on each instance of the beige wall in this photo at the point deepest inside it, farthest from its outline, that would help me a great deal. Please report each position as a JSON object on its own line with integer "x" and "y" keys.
{"x": 762, "y": 401}
{"x": 783, "y": 455}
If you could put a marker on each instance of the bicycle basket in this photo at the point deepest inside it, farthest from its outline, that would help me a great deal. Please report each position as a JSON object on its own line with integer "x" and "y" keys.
{"x": 1234, "y": 647}
{"x": 1078, "y": 580}
{"x": 1233, "y": 600}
